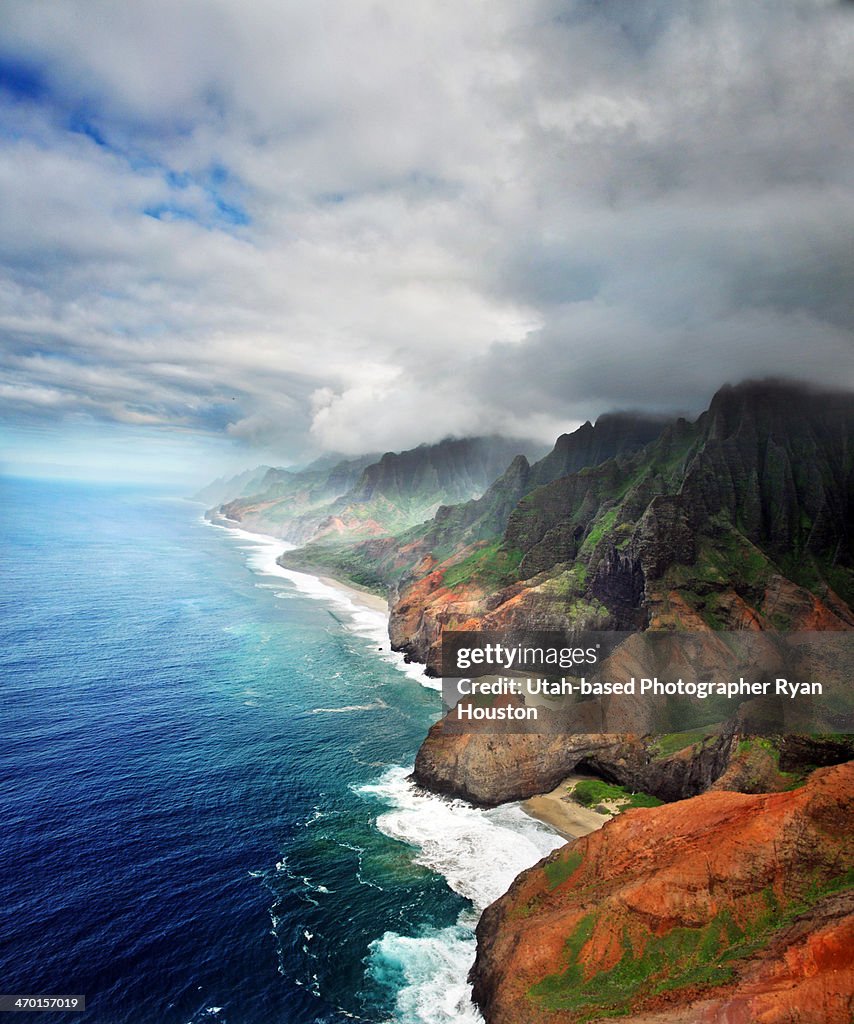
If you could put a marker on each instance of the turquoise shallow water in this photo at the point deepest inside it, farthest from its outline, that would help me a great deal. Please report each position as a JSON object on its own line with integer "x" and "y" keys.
{"x": 203, "y": 783}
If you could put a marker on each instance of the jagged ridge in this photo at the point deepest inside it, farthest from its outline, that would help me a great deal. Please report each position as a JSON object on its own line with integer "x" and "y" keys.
{"x": 742, "y": 518}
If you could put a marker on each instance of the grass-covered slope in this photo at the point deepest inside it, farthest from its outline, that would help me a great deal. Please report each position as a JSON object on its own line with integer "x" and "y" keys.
{"x": 280, "y": 499}
{"x": 742, "y": 518}
{"x": 456, "y": 528}
{"x": 370, "y": 497}
{"x": 227, "y": 488}
{"x": 723, "y": 907}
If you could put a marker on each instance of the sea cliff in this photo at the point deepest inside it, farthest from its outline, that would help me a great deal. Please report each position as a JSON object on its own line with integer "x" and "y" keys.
{"x": 738, "y": 888}
{"x": 726, "y": 908}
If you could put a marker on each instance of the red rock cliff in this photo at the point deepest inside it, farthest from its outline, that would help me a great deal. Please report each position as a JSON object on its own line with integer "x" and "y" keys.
{"x": 726, "y": 908}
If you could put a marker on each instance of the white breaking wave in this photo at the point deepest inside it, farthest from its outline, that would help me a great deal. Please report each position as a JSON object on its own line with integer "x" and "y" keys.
{"x": 369, "y": 623}
{"x": 377, "y": 705}
{"x": 479, "y": 853}
{"x": 429, "y": 973}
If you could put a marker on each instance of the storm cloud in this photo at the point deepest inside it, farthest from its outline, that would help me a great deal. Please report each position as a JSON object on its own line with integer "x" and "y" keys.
{"x": 359, "y": 226}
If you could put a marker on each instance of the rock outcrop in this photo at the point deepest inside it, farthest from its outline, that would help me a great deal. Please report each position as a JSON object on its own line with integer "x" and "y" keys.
{"x": 742, "y": 519}
{"x": 739, "y": 521}
{"x": 726, "y": 908}
{"x": 490, "y": 768}
{"x": 489, "y": 764}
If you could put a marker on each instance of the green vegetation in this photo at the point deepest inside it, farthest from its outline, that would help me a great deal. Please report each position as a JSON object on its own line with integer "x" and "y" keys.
{"x": 493, "y": 566}
{"x": 761, "y": 759}
{"x": 590, "y": 792}
{"x": 339, "y": 562}
{"x": 564, "y": 867}
{"x": 684, "y": 957}
{"x": 567, "y": 583}
{"x": 815, "y": 573}
{"x": 752, "y": 743}
{"x": 600, "y": 527}
{"x": 672, "y": 742}
{"x": 729, "y": 563}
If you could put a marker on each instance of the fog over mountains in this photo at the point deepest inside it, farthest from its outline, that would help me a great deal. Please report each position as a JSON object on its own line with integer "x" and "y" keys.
{"x": 244, "y": 234}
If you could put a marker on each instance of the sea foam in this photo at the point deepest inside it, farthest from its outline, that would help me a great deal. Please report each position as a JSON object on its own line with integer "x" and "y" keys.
{"x": 372, "y": 624}
{"x": 478, "y": 852}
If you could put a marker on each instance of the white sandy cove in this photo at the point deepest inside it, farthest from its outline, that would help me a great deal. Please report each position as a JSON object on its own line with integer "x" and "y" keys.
{"x": 478, "y": 852}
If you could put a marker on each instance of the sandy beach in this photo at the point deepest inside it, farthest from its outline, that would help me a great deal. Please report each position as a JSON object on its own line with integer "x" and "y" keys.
{"x": 562, "y": 813}
{"x": 358, "y": 595}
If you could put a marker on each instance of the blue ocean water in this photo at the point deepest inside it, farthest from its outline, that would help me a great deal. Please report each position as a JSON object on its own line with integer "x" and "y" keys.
{"x": 204, "y": 799}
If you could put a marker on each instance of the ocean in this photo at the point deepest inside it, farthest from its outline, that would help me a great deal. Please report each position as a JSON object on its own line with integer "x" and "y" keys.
{"x": 204, "y": 794}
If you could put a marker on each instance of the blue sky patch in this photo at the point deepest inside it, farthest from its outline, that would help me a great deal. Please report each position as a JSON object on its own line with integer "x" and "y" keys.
{"x": 21, "y": 80}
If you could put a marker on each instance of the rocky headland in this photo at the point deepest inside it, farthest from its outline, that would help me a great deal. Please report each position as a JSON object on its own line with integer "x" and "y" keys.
{"x": 731, "y": 902}
{"x": 726, "y": 908}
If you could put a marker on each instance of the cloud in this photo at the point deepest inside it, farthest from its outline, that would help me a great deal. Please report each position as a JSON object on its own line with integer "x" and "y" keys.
{"x": 361, "y": 226}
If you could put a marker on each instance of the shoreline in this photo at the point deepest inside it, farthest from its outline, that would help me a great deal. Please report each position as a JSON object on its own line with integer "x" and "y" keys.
{"x": 451, "y": 838}
{"x": 564, "y": 818}
{"x": 368, "y": 599}
{"x": 561, "y": 813}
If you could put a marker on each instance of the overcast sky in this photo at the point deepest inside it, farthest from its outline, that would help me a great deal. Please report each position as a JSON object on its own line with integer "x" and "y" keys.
{"x": 235, "y": 230}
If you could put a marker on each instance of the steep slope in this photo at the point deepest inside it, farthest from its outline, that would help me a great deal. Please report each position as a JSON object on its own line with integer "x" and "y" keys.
{"x": 491, "y": 763}
{"x": 281, "y": 498}
{"x": 724, "y": 908}
{"x": 226, "y": 488}
{"x": 741, "y": 519}
{"x": 384, "y": 560}
{"x": 407, "y": 487}
{"x": 398, "y": 491}
{"x": 455, "y": 527}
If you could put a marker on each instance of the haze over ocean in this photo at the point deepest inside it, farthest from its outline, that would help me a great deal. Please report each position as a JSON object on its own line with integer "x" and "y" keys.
{"x": 203, "y": 783}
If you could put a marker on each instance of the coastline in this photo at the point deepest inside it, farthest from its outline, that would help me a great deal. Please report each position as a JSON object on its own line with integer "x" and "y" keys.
{"x": 443, "y": 833}
{"x": 568, "y": 818}
{"x": 358, "y": 595}
{"x": 565, "y": 818}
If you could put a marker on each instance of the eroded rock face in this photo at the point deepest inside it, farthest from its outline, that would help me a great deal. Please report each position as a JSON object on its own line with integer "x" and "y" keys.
{"x": 491, "y": 764}
{"x": 418, "y": 633}
{"x": 723, "y": 908}
{"x": 619, "y": 583}
{"x": 490, "y": 768}
{"x": 689, "y": 534}
{"x": 740, "y": 520}
{"x": 664, "y": 536}
{"x": 802, "y": 972}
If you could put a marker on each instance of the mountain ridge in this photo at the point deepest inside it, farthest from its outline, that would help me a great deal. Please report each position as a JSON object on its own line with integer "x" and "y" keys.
{"x": 381, "y": 562}
{"x": 741, "y": 519}
{"x": 393, "y": 493}
{"x": 685, "y": 529}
